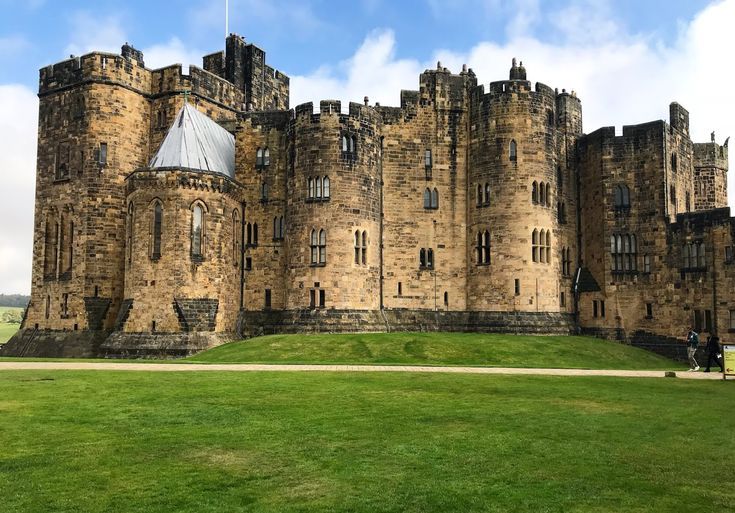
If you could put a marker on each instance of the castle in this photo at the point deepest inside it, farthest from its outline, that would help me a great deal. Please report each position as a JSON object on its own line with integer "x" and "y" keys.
{"x": 176, "y": 211}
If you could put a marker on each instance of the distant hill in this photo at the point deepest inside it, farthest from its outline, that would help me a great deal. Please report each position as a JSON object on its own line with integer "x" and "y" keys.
{"x": 14, "y": 300}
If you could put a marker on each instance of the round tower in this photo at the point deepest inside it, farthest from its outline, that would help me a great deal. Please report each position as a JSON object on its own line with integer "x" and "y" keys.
{"x": 513, "y": 217}
{"x": 333, "y": 209}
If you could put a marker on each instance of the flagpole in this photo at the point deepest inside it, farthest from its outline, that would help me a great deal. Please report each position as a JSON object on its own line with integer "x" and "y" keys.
{"x": 227, "y": 18}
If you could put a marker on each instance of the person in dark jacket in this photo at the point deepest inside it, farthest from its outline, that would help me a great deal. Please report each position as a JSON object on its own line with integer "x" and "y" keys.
{"x": 714, "y": 352}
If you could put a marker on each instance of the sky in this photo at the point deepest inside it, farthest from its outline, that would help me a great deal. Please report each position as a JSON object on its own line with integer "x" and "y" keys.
{"x": 625, "y": 59}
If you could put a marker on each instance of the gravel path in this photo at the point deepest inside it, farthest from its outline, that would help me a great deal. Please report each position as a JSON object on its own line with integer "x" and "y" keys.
{"x": 247, "y": 367}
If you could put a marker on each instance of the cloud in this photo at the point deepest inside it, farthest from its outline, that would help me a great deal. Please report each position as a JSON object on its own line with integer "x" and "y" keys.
{"x": 172, "y": 52}
{"x": 621, "y": 78}
{"x": 94, "y": 33}
{"x": 18, "y": 124}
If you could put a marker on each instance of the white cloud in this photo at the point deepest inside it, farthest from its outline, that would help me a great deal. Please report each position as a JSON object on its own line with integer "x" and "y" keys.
{"x": 620, "y": 78}
{"x": 18, "y": 124}
{"x": 95, "y": 33}
{"x": 172, "y": 52}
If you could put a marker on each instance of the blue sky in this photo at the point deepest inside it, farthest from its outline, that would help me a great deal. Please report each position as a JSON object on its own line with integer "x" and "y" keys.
{"x": 626, "y": 60}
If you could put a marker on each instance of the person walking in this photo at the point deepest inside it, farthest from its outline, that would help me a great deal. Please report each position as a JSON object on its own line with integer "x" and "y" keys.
{"x": 714, "y": 352}
{"x": 692, "y": 343}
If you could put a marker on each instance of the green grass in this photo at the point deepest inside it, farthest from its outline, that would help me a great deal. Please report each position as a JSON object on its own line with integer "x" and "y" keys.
{"x": 439, "y": 349}
{"x": 8, "y": 330}
{"x": 292, "y": 442}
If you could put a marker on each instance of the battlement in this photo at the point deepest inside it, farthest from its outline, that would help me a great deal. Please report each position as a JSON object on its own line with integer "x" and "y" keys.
{"x": 711, "y": 154}
{"x": 357, "y": 112}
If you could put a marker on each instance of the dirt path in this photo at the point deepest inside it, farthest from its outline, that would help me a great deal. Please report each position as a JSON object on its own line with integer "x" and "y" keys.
{"x": 247, "y": 367}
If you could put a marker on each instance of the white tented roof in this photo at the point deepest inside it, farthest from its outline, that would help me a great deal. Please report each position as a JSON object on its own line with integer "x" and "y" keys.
{"x": 195, "y": 141}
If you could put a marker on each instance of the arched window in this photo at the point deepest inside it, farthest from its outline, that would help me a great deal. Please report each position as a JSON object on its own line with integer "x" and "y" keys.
{"x": 422, "y": 257}
{"x": 259, "y": 158}
{"x": 534, "y": 246}
{"x": 264, "y": 192}
{"x": 48, "y": 306}
{"x": 486, "y": 247}
{"x": 430, "y": 258}
{"x": 487, "y": 194}
{"x": 236, "y": 245}
{"x": 479, "y": 195}
{"x": 157, "y": 230}
{"x": 364, "y": 248}
{"x": 435, "y": 198}
{"x": 255, "y": 234}
{"x": 548, "y": 247}
{"x": 275, "y": 228}
{"x": 626, "y": 196}
{"x": 427, "y": 158}
{"x": 325, "y": 188}
{"x": 673, "y": 162}
{"x": 345, "y": 144}
{"x": 314, "y": 239}
{"x": 357, "y": 247}
{"x": 50, "y": 246}
{"x": 249, "y": 235}
{"x": 318, "y": 193}
{"x": 547, "y": 201}
{"x": 130, "y": 232}
{"x": 542, "y": 194}
{"x": 311, "y": 189}
{"x": 542, "y": 247}
{"x": 427, "y": 198}
{"x": 446, "y": 298}
{"x": 266, "y": 157}
{"x": 479, "y": 248}
{"x": 513, "y": 151}
{"x": 534, "y": 193}
{"x": 701, "y": 262}
{"x": 197, "y": 231}
{"x": 353, "y": 145}
{"x": 322, "y": 246}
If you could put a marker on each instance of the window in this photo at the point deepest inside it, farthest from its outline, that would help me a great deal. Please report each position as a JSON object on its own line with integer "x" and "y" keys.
{"x": 400, "y": 288}
{"x": 50, "y": 247}
{"x": 602, "y": 308}
{"x": 427, "y": 198}
{"x": 345, "y": 144}
{"x": 435, "y": 198}
{"x": 559, "y": 177}
{"x": 673, "y": 162}
{"x": 312, "y": 298}
{"x": 264, "y": 192}
{"x": 728, "y": 254}
{"x": 48, "y": 306}
{"x": 688, "y": 202}
{"x": 646, "y": 264}
{"x": 649, "y": 310}
{"x": 157, "y": 229}
{"x": 562, "y": 300}
{"x": 267, "y": 299}
{"x": 266, "y": 157}
{"x": 534, "y": 193}
{"x": 65, "y": 305}
{"x": 542, "y": 194}
{"x": 66, "y": 246}
{"x": 621, "y": 198}
{"x": 624, "y": 253}
{"x": 325, "y": 187}
{"x": 427, "y": 158}
{"x": 703, "y": 320}
{"x": 517, "y": 287}
{"x": 483, "y": 248}
{"x": 130, "y": 232}
{"x": 197, "y": 231}
{"x": 259, "y": 158}
{"x": 102, "y": 160}
{"x": 594, "y": 308}
{"x": 349, "y": 146}
{"x": 708, "y": 321}
{"x": 236, "y": 234}
{"x": 479, "y": 195}
{"x": 77, "y": 109}
{"x": 534, "y": 246}
{"x": 513, "y": 154}
{"x": 426, "y": 258}
{"x": 361, "y": 247}
{"x": 318, "y": 247}
{"x": 318, "y": 188}
{"x": 248, "y": 263}
{"x": 322, "y": 298}
{"x": 694, "y": 256}
{"x": 278, "y": 228}
{"x": 732, "y": 320}
{"x": 446, "y": 298}
{"x": 562, "y": 212}
{"x": 541, "y": 246}
{"x": 63, "y": 154}
{"x": 566, "y": 261}
{"x": 487, "y": 194}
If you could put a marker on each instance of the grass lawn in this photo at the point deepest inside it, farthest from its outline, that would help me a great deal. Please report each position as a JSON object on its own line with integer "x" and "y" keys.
{"x": 292, "y": 442}
{"x": 8, "y": 330}
{"x": 494, "y": 350}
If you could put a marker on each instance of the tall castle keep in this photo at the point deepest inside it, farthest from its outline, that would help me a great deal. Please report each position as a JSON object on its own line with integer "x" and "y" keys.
{"x": 176, "y": 211}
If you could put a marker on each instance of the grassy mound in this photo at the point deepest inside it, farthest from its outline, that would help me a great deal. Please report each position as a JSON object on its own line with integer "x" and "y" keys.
{"x": 494, "y": 350}
{"x": 294, "y": 442}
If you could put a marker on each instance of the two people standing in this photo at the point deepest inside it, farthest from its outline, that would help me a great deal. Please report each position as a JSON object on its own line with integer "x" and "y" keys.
{"x": 714, "y": 351}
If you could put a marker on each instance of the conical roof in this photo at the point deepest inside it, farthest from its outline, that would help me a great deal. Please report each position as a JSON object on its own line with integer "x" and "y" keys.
{"x": 195, "y": 141}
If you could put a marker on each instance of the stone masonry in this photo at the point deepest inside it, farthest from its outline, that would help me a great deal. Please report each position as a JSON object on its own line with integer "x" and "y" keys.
{"x": 468, "y": 207}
